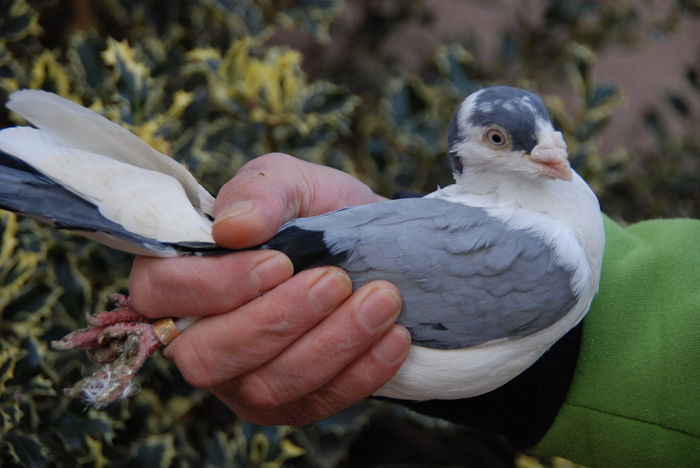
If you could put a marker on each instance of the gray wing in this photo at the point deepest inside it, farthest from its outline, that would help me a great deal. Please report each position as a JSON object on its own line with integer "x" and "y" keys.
{"x": 464, "y": 276}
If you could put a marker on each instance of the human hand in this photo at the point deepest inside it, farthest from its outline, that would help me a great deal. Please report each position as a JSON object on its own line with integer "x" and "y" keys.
{"x": 276, "y": 348}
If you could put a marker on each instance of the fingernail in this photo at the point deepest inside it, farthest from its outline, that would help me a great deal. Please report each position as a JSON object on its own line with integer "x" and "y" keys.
{"x": 380, "y": 306}
{"x": 329, "y": 289}
{"x": 271, "y": 271}
{"x": 239, "y": 208}
{"x": 393, "y": 346}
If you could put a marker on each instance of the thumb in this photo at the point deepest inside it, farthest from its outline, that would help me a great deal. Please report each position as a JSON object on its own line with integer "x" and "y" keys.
{"x": 272, "y": 189}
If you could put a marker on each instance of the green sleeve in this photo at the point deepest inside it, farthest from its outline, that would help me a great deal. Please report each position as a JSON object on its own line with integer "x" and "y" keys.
{"x": 635, "y": 397}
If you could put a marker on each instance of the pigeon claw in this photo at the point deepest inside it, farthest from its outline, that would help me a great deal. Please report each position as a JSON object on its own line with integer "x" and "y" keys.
{"x": 119, "y": 341}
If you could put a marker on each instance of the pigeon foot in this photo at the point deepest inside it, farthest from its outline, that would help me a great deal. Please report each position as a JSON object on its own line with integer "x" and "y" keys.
{"x": 119, "y": 341}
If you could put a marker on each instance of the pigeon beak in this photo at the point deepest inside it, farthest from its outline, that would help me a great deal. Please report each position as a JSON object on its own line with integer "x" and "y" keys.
{"x": 551, "y": 156}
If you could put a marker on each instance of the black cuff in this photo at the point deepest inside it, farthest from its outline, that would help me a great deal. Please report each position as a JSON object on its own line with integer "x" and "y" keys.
{"x": 523, "y": 409}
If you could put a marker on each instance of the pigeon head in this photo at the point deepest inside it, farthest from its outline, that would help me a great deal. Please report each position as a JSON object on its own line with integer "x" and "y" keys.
{"x": 503, "y": 131}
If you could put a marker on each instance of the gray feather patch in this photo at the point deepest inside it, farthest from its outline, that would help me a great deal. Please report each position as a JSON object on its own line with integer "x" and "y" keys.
{"x": 513, "y": 109}
{"x": 464, "y": 277}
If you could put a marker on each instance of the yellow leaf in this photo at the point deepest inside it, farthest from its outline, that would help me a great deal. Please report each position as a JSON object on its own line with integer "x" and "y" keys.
{"x": 96, "y": 455}
{"x": 290, "y": 449}
{"x": 47, "y": 73}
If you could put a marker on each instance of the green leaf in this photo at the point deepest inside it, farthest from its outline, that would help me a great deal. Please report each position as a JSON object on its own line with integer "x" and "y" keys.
{"x": 73, "y": 429}
{"x": 17, "y": 20}
{"x": 155, "y": 451}
{"x": 26, "y": 449}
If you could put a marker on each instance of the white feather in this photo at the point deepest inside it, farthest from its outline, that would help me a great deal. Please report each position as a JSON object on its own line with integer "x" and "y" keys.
{"x": 145, "y": 202}
{"x": 81, "y": 128}
{"x": 430, "y": 373}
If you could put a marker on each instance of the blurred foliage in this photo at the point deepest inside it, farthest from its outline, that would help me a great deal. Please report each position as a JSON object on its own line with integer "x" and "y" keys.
{"x": 212, "y": 83}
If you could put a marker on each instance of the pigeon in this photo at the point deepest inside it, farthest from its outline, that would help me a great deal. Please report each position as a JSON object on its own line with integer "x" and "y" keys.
{"x": 492, "y": 269}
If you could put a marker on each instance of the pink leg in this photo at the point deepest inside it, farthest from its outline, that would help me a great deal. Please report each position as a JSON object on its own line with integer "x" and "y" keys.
{"x": 120, "y": 341}
{"x": 124, "y": 312}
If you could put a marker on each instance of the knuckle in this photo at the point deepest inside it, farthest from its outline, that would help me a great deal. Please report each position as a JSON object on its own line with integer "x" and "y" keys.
{"x": 257, "y": 394}
{"x": 141, "y": 286}
{"x": 286, "y": 319}
{"x": 299, "y": 416}
{"x": 332, "y": 342}
{"x": 290, "y": 315}
{"x": 340, "y": 344}
{"x": 269, "y": 160}
{"x": 197, "y": 368}
{"x": 316, "y": 406}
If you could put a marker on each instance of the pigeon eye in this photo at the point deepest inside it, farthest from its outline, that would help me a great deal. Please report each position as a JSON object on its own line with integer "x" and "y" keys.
{"x": 496, "y": 138}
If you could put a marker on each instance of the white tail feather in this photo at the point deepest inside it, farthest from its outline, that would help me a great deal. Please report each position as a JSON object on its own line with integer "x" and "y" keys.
{"x": 81, "y": 128}
{"x": 145, "y": 202}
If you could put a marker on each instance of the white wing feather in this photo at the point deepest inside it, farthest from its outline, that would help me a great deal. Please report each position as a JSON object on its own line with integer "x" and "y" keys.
{"x": 83, "y": 129}
{"x": 145, "y": 202}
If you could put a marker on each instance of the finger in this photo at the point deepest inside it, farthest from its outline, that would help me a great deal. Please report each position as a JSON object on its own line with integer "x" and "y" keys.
{"x": 323, "y": 352}
{"x": 365, "y": 375}
{"x": 218, "y": 348}
{"x": 275, "y": 188}
{"x": 195, "y": 286}
{"x": 361, "y": 378}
